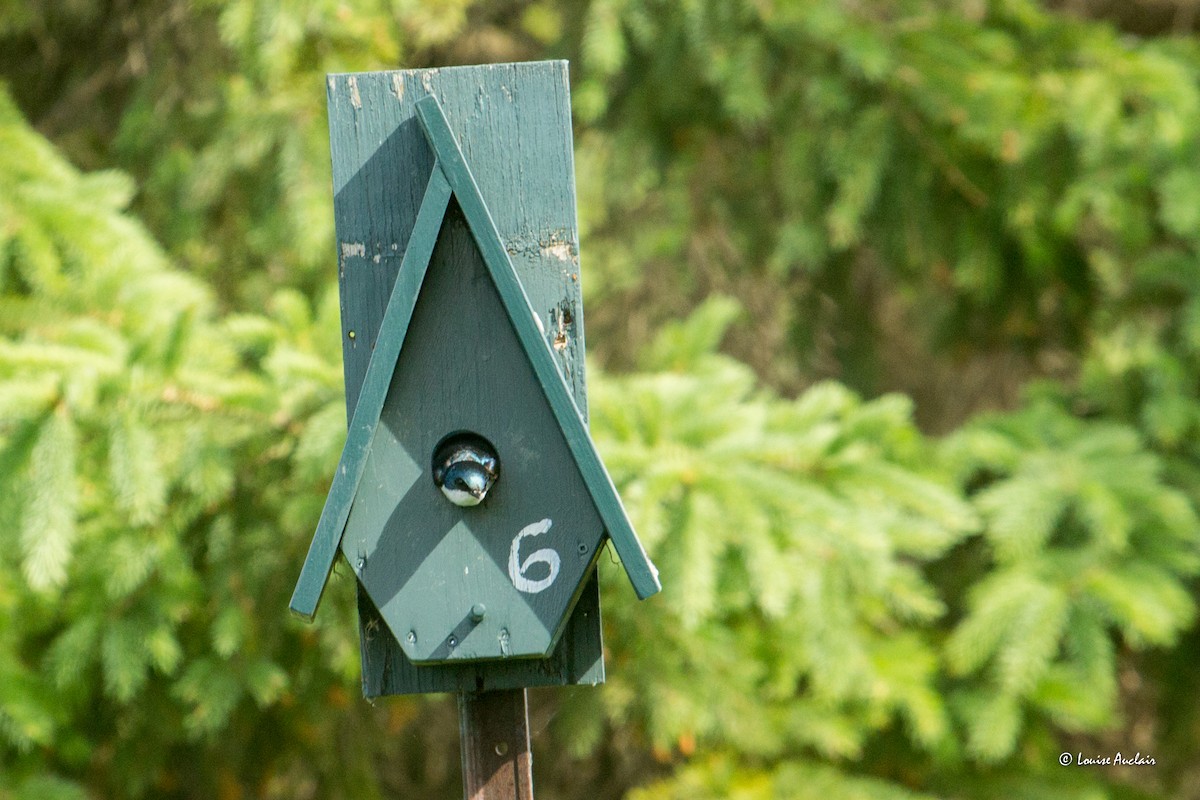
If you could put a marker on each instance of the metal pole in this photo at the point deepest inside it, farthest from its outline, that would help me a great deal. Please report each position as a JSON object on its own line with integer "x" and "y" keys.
{"x": 497, "y": 763}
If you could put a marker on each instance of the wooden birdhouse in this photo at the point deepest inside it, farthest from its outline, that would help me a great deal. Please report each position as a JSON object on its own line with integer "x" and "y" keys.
{"x": 454, "y": 202}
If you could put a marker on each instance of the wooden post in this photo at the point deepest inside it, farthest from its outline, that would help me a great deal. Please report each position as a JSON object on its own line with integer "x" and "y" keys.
{"x": 497, "y": 763}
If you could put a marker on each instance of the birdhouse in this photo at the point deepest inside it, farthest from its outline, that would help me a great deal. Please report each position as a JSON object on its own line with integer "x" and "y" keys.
{"x": 469, "y": 500}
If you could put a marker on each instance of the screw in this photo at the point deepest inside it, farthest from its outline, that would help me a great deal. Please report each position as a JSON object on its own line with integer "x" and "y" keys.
{"x": 411, "y": 638}
{"x": 502, "y": 749}
{"x": 583, "y": 548}
{"x": 477, "y": 612}
{"x": 452, "y": 641}
{"x": 352, "y": 334}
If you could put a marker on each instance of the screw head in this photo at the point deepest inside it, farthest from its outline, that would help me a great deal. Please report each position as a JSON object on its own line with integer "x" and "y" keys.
{"x": 478, "y": 611}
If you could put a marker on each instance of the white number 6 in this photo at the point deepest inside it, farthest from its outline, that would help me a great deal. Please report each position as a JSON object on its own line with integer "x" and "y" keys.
{"x": 547, "y": 556}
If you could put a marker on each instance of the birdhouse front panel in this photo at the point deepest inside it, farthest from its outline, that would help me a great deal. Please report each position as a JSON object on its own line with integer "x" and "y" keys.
{"x": 492, "y": 580}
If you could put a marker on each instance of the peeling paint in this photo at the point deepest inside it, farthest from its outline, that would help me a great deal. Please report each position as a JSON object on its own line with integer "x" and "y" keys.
{"x": 398, "y": 86}
{"x": 355, "y": 97}
{"x": 427, "y": 79}
{"x": 559, "y": 250}
{"x": 563, "y": 317}
{"x": 332, "y": 83}
{"x": 351, "y": 249}
{"x": 559, "y": 245}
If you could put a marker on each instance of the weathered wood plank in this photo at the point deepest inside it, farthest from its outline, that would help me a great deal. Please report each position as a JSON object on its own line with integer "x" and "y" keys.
{"x": 381, "y": 161}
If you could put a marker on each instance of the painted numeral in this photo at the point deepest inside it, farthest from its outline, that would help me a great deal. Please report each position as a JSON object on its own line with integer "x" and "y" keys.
{"x": 517, "y": 569}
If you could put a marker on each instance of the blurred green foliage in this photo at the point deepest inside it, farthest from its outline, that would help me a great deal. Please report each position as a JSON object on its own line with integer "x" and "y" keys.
{"x": 816, "y": 234}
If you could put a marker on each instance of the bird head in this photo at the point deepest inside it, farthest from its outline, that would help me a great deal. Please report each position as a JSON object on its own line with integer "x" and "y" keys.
{"x": 464, "y": 468}
{"x": 466, "y": 483}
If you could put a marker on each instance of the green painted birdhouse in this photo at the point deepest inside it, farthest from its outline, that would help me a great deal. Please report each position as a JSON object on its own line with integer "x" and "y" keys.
{"x": 469, "y": 499}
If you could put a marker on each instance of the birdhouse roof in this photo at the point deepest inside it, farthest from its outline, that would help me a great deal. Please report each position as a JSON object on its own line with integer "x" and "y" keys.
{"x": 451, "y": 178}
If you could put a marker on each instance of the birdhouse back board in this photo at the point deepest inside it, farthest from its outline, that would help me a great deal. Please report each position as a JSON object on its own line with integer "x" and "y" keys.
{"x": 513, "y": 124}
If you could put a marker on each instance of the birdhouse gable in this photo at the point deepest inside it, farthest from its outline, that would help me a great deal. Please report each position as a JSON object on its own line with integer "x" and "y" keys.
{"x": 460, "y": 349}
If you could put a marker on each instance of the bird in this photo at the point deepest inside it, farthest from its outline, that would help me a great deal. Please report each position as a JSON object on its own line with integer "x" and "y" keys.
{"x": 464, "y": 468}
